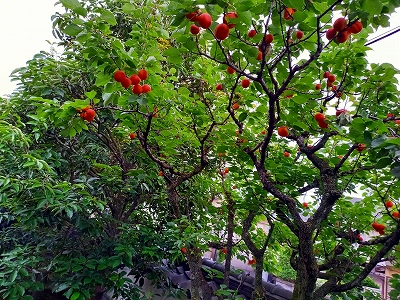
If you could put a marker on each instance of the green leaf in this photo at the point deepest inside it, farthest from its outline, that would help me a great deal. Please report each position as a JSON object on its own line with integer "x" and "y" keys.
{"x": 72, "y": 30}
{"x": 90, "y": 94}
{"x": 71, "y": 4}
{"x": 383, "y": 162}
{"x": 242, "y": 116}
{"x": 80, "y": 11}
{"x": 128, "y": 8}
{"x": 13, "y": 275}
{"x": 75, "y": 295}
{"x": 108, "y": 16}
{"x": 373, "y": 7}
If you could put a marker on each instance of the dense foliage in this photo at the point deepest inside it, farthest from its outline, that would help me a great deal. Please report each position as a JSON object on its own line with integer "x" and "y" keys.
{"x": 100, "y": 174}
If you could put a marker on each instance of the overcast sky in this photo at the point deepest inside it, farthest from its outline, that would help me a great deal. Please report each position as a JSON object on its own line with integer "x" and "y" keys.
{"x": 26, "y": 25}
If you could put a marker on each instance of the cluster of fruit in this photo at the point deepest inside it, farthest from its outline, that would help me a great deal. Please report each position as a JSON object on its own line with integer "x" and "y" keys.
{"x": 87, "y": 113}
{"x": 379, "y": 227}
{"x": 390, "y": 204}
{"x": 134, "y": 81}
{"x": 341, "y": 30}
{"x": 320, "y": 118}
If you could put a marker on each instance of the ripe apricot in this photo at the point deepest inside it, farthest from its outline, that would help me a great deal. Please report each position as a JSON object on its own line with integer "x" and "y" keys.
{"x": 119, "y": 75}
{"x": 194, "y": 29}
{"x": 389, "y": 204}
{"x": 126, "y": 82}
{"x": 160, "y": 173}
{"x": 342, "y": 37}
{"x": 283, "y": 131}
{"x": 204, "y": 20}
{"x": 227, "y": 17}
{"x": 331, "y": 78}
{"x": 137, "y": 89}
{"x": 221, "y": 31}
{"x": 251, "y": 33}
{"x": 330, "y": 33}
{"x": 286, "y": 154}
{"x": 259, "y": 56}
{"x": 269, "y": 38}
{"x": 305, "y": 204}
{"x": 143, "y": 74}
{"x": 326, "y": 74}
{"x": 219, "y": 87}
{"x": 245, "y": 83}
{"x": 288, "y": 13}
{"x": 90, "y": 114}
{"x": 230, "y": 70}
{"x": 135, "y": 79}
{"x": 360, "y": 147}
{"x": 132, "y": 135}
{"x": 299, "y": 34}
{"x": 340, "y": 24}
{"x": 235, "y": 106}
{"x": 396, "y": 214}
{"x": 192, "y": 16}
{"x": 318, "y": 86}
{"x": 146, "y": 88}
{"x": 319, "y": 117}
{"x": 356, "y": 27}
{"x": 323, "y": 124}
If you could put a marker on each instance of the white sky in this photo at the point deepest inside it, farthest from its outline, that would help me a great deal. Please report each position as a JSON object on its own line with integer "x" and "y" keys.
{"x": 26, "y": 25}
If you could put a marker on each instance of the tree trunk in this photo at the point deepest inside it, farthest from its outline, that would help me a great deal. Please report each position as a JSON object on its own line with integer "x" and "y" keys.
{"x": 258, "y": 293}
{"x": 307, "y": 267}
{"x": 199, "y": 287}
{"x": 229, "y": 246}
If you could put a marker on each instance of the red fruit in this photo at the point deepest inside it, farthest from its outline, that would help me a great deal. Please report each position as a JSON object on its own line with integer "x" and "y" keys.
{"x": 143, "y": 74}
{"x": 356, "y": 27}
{"x": 126, "y": 82}
{"x": 319, "y": 117}
{"x": 288, "y": 13}
{"x": 269, "y": 38}
{"x": 263, "y": 132}
{"x": 251, "y": 261}
{"x": 82, "y": 115}
{"x": 90, "y": 114}
{"x": 86, "y": 108}
{"x": 326, "y": 74}
{"x": 340, "y": 111}
{"x": 396, "y": 214}
{"x": 331, "y": 78}
{"x": 226, "y": 170}
{"x": 381, "y": 231}
{"x": 245, "y": 83}
{"x": 360, "y": 147}
{"x": 359, "y": 237}
{"x": 251, "y": 33}
{"x": 286, "y": 154}
{"x": 283, "y": 131}
{"x": 223, "y": 250}
{"x": 160, "y": 173}
{"x": 334, "y": 88}
{"x": 330, "y": 33}
{"x": 318, "y": 86}
{"x": 342, "y": 37}
{"x": 219, "y": 87}
{"x": 259, "y": 56}
{"x": 323, "y": 124}
{"x": 204, "y": 20}
{"x": 183, "y": 249}
{"x": 194, "y": 29}
{"x": 390, "y": 115}
{"x": 135, "y": 79}
{"x": 132, "y": 135}
{"x": 119, "y": 75}
{"x": 340, "y": 24}
{"x": 221, "y": 31}
{"x": 146, "y": 88}
{"x": 299, "y": 34}
{"x": 192, "y": 16}
{"x": 389, "y": 204}
{"x": 137, "y": 89}
{"x": 235, "y": 106}
{"x": 305, "y": 204}
{"x": 230, "y": 15}
{"x": 230, "y": 70}
{"x": 397, "y": 122}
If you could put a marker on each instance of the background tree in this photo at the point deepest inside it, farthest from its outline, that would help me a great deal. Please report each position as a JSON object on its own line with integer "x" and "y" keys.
{"x": 273, "y": 124}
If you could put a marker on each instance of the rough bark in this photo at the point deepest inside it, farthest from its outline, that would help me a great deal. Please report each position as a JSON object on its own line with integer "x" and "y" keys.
{"x": 258, "y": 293}
{"x": 307, "y": 267}
{"x": 199, "y": 287}
{"x": 229, "y": 246}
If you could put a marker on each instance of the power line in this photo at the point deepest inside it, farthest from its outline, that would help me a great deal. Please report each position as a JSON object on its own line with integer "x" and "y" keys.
{"x": 385, "y": 35}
